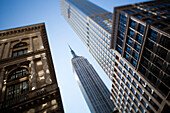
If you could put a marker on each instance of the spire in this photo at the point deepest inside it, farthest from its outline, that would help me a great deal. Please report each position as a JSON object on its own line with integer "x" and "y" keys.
{"x": 72, "y": 52}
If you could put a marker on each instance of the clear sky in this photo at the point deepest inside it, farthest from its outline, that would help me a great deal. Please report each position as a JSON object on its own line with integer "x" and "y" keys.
{"x": 16, "y": 13}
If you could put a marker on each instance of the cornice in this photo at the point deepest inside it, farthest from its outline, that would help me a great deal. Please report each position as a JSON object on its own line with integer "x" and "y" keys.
{"x": 21, "y": 30}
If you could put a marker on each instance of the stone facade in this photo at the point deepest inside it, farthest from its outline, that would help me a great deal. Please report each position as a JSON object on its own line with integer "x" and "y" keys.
{"x": 27, "y": 78}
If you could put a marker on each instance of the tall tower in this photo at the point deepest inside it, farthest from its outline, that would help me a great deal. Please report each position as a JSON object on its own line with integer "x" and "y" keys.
{"x": 95, "y": 92}
{"x": 135, "y": 57}
{"x": 27, "y": 78}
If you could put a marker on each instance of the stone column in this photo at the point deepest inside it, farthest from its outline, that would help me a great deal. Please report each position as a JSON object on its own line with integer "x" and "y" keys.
{"x": 40, "y": 41}
{"x": 31, "y": 45}
{"x": 46, "y": 69}
{"x": 2, "y": 49}
{"x": 8, "y": 50}
{"x": 33, "y": 76}
{"x": 2, "y": 74}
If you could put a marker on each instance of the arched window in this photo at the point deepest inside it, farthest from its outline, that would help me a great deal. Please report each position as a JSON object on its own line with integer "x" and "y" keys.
{"x": 15, "y": 85}
{"x": 18, "y": 73}
{"x": 21, "y": 44}
{"x": 20, "y": 48}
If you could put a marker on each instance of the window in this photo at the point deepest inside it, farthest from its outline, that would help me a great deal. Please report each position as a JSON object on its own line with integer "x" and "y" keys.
{"x": 161, "y": 52}
{"x": 142, "y": 69}
{"x": 153, "y": 35}
{"x": 138, "y": 10}
{"x": 126, "y": 56}
{"x": 157, "y": 97}
{"x": 138, "y": 16}
{"x": 19, "y": 87}
{"x": 119, "y": 42}
{"x": 138, "y": 96}
{"x": 148, "y": 14}
{"x": 19, "y": 52}
{"x": 148, "y": 20}
{"x": 136, "y": 77}
{"x": 129, "y": 11}
{"x": 21, "y": 44}
{"x": 140, "y": 90}
{"x": 131, "y": 33}
{"x": 141, "y": 28}
{"x": 118, "y": 49}
{"x": 149, "y": 44}
{"x": 155, "y": 70}
{"x": 160, "y": 25}
{"x": 153, "y": 104}
{"x": 136, "y": 102}
{"x": 149, "y": 89}
{"x": 133, "y": 61}
{"x": 144, "y": 62}
{"x": 165, "y": 41}
{"x": 16, "y": 89}
{"x": 123, "y": 18}
{"x": 134, "y": 83}
{"x": 158, "y": 62}
{"x": 21, "y": 72}
{"x": 147, "y": 54}
{"x": 132, "y": 24}
{"x": 146, "y": 96}
{"x": 166, "y": 80}
{"x": 127, "y": 49}
{"x": 163, "y": 88}
{"x": 135, "y": 55}
{"x": 134, "y": 92}
{"x": 139, "y": 38}
{"x": 121, "y": 27}
{"x": 152, "y": 78}
{"x": 137, "y": 47}
{"x": 121, "y": 35}
{"x": 129, "y": 41}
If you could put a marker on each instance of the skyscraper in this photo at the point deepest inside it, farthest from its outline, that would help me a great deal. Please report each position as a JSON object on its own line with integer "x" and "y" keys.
{"x": 135, "y": 57}
{"x": 27, "y": 78}
{"x": 141, "y": 38}
{"x": 95, "y": 92}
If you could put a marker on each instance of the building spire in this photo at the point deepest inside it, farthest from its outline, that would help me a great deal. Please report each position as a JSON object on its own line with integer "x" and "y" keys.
{"x": 72, "y": 52}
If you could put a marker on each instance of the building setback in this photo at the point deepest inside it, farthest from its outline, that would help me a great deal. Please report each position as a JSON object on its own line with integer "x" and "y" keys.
{"x": 95, "y": 92}
{"x": 135, "y": 57}
{"x": 27, "y": 78}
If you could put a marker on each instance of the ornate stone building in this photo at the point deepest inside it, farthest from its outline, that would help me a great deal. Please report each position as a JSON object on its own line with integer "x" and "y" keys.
{"x": 27, "y": 78}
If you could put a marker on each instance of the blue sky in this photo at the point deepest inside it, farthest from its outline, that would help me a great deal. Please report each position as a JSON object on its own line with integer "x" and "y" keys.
{"x": 16, "y": 13}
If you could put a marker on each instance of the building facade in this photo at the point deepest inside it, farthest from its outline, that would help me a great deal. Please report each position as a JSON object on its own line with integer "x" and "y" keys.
{"x": 27, "y": 78}
{"x": 135, "y": 56}
{"x": 95, "y": 92}
{"x": 141, "y": 38}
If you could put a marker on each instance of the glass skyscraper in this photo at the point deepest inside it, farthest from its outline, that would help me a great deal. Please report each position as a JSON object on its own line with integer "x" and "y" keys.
{"x": 132, "y": 48}
{"x": 95, "y": 92}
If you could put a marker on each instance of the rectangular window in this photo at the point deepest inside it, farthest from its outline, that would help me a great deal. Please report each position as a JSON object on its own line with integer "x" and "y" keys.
{"x": 158, "y": 62}
{"x": 132, "y": 24}
{"x": 152, "y": 35}
{"x": 121, "y": 27}
{"x": 161, "y": 52}
{"x": 137, "y": 47}
{"x": 123, "y": 18}
{"x": 118, "y": 49}
{"x": 127, "y": 49}
{"x": 149, "y": 44}
{"x": 147, "y": 54}
{"x": 121, "y": 35}
{"x": 119, "y": 42}
{"x": 155, "y": 70}
{"x": 131, "y": 33}
{"x": 129, "y": 41}
{"x": 139, "y": 38}
{"x": 165, "y": 41}
{"x": 126, "y": 56}
{"x": 135, "y": 55}
{"x": 141, "y": 28}
{"x": 142, "y": 69}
